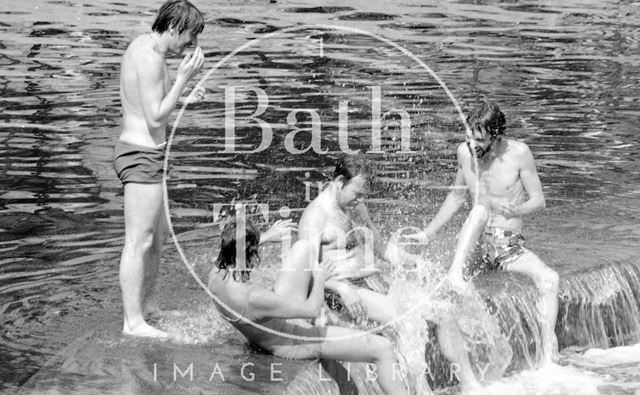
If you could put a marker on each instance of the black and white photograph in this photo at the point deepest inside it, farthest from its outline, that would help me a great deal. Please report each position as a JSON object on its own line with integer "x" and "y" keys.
{"x": 312, "y": 197}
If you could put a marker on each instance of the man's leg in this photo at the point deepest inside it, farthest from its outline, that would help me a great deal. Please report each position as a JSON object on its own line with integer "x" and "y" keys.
{"x": 379, "y": 306}
{"x": 449, "y": 334}
{"x": 452, "y": 345}
{"x": 546, "y": 280}
{"x": 450, "y": 337}
{"x": 142, "y": 203}
{"x": 150, "y": 304}
{"x": 466, "y": 243}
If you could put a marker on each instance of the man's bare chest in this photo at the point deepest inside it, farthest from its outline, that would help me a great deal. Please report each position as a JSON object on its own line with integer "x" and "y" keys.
{"x": 496, "y": 178}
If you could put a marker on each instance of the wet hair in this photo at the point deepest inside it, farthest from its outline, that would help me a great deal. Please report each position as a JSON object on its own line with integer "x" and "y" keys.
{"x": 350, "y": 166}
{"x": 227, "y": 256}
{"x": 487, "y": 115}
{"x": 180, "y": 15}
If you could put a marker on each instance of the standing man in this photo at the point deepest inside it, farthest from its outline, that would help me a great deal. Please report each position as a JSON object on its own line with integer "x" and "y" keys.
{"x": 507, "y": 188}
{"x": 148, "y": 98}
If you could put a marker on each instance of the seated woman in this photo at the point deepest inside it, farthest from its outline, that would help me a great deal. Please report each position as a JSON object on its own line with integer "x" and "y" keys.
{"x": 268, "y": 318}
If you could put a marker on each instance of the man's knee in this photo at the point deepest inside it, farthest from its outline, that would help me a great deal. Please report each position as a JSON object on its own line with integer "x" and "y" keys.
{"x": 383, "y": 347}
{"x": 549, "y": 281}
{"x": 479, "y": 213}
{"x": 140, "y": 243}
{"x": 446, "y": 323}
{"x": 546, "y": 279}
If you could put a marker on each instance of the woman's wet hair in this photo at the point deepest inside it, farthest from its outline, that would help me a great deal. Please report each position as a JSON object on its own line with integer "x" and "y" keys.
{"x": 350, "y": 166}
{"x": 180, "y": 15}
{"x": 488, "y": 116}
{"x": 227, "y": 256}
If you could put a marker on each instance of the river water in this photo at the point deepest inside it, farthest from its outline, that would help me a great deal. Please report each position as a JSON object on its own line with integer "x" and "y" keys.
{"x": 566, "y": 75}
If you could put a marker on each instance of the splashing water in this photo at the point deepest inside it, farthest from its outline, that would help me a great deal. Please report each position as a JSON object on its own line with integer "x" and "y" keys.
{"x": 551, "y": 379}
{"x": 427, "y": 301}
{"x": 499, "y": 320}
{"x": 196, "y": 326}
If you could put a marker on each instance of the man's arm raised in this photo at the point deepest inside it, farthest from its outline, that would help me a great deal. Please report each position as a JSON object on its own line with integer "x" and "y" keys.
{"x": 279, "y": 231}
{"x": 155, "y": 104}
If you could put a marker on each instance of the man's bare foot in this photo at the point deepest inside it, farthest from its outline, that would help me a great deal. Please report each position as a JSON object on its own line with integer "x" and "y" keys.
{"x": 144, "y": 330}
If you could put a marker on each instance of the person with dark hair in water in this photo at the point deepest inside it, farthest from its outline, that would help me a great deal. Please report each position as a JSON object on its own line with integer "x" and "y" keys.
{"x": 274, "y": 319}
{"x": 148, "y": 98}
{"x": 507, "y": 188}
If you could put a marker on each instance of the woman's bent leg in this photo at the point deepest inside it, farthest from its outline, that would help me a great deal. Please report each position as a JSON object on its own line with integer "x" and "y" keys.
{"x": 294, "y": 278}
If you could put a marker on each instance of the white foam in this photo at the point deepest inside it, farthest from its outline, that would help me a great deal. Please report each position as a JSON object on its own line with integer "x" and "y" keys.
{"x": 548, "y": 380}
{"x": 598, "y": 357}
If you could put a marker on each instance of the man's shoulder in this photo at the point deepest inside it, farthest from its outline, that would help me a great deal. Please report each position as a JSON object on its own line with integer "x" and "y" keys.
{"x": 519, "y": 154}
{"x": 463, "y": 154}
{"x": 517, "y": 145}
{"x": 462, "y": 150}
{"x": 312, "y": 213}
{"x": 141, "y": 51}
{"x": 518, "y": 149}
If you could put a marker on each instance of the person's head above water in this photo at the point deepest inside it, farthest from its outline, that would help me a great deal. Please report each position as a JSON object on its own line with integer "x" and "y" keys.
{"x": 180, "y": 15}
{"x": 353, "y": 174}
{"x": 487, "y": 124}
{"x": 228, "y": 241}
{"x": 182, "y": 21}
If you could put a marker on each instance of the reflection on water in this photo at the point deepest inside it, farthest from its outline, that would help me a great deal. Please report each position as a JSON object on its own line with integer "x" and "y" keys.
{"x": 565, "y": 74}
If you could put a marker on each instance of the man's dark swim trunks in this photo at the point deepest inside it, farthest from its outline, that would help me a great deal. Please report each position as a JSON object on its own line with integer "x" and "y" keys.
{"x": 501, "y": 247}
{"x": 137, "y": 163}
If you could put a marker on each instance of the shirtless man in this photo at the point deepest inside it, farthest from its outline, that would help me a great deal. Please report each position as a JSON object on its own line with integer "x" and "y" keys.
{"x": 338, "y": 224}
{"x": 331, "y": 224}
{"x": 148, "y": 98}
{"x": 507, "y": 188}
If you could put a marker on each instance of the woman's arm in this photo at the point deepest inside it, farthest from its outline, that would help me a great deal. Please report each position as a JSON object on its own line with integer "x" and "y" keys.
{"x": 268, "y": 304}
{"x": 279, "y": 231}
{"x": 263, "y": 303}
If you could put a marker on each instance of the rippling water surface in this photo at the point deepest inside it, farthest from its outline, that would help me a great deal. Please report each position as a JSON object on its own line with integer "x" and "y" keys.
{"x": 567, "y": 76}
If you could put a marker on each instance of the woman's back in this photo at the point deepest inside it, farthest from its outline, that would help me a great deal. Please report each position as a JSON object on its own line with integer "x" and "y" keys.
{"x": 295, "y": 338}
